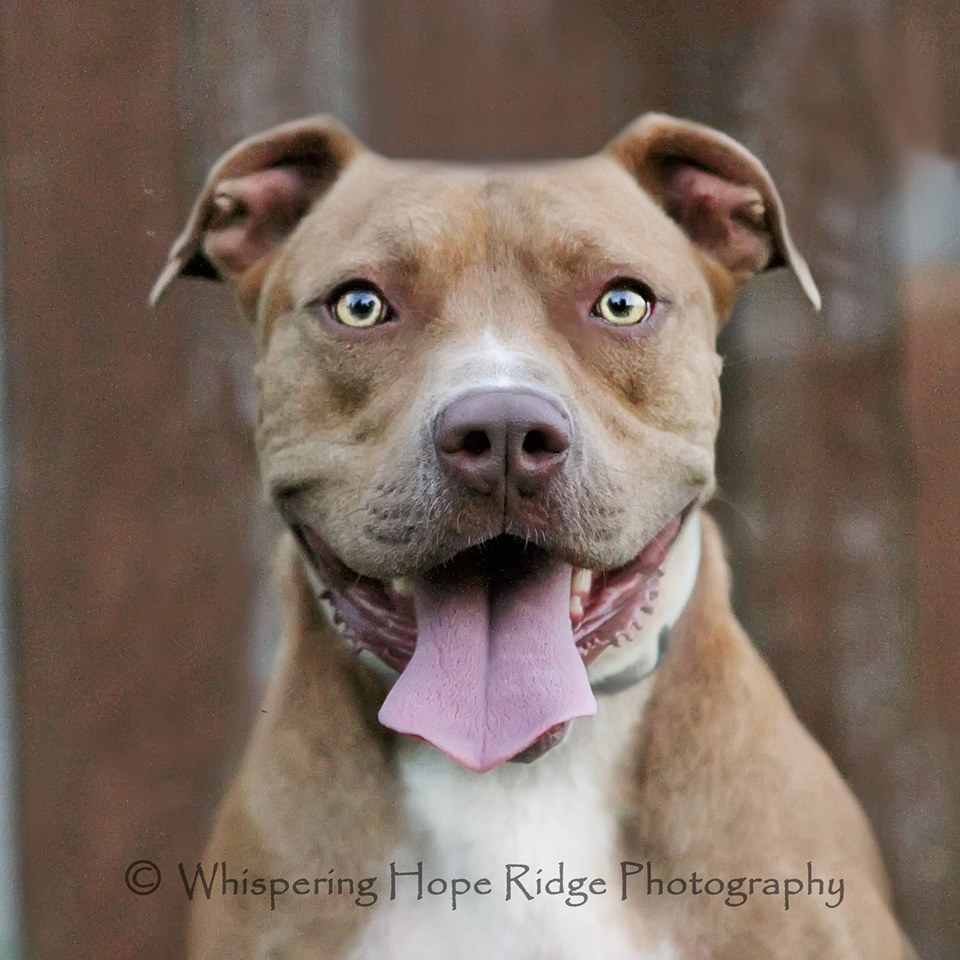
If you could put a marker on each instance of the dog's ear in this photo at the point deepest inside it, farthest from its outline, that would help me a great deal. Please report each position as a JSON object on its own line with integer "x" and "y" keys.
{"x": 254, "y": 196}
{"x": 717, "y": 191}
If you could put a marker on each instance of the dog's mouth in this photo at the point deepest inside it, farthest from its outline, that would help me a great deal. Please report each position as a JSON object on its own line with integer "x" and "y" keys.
{"x": 492, "y": 645}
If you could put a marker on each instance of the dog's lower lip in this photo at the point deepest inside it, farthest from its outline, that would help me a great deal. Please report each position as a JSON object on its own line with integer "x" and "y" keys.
{"x": 544, "y": 743}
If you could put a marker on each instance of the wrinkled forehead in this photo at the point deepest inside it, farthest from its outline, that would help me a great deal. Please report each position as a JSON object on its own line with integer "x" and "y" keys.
{"x": 429, "y": 223}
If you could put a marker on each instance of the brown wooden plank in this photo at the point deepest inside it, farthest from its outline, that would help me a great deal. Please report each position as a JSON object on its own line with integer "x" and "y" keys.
{"x": 931, "y": 307}
{"x": 931, "y": 303}
{"x": 462, "y": 80}
{"x": 816, "y": 450}
{"x": 132, "y": 477}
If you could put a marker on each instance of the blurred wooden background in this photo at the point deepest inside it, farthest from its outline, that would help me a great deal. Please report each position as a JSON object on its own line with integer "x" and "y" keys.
{"x": 142, "y": 614}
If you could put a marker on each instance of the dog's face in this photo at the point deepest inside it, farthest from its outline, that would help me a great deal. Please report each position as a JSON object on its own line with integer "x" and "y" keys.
{"x": 492, "y": 390}
{"x": 490, "y": 283}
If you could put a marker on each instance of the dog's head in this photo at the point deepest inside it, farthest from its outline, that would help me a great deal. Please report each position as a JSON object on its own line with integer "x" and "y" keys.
{"x": 488, "y": 396}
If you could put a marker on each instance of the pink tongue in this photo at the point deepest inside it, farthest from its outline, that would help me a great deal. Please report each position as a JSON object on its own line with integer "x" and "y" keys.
{"x": 495, "y": 667}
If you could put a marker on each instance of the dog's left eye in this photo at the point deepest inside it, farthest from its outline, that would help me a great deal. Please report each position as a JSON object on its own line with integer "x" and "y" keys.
{"x": 361, "y": 306}
{"x": 624, "y": 305}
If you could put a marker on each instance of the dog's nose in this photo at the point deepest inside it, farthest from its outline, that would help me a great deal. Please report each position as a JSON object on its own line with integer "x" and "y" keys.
{"x": 493, "y": 437}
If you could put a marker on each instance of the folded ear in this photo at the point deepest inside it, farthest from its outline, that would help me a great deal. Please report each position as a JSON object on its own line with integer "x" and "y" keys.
{"x": 254, "y": 196}
{"x": 717, "y": 191}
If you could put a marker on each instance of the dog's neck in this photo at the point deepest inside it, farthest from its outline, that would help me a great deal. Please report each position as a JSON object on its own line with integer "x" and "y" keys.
{"x": 618, "y": 668}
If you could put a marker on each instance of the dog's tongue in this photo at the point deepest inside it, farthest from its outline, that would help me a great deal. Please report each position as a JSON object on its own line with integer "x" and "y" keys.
{"x": 495, "y": 666}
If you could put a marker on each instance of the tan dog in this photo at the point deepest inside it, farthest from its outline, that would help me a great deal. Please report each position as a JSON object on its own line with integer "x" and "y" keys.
{"x": 488, "y": 405}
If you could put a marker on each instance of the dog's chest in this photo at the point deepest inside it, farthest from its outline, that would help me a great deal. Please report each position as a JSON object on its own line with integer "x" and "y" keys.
{"x": 525, "y": 844}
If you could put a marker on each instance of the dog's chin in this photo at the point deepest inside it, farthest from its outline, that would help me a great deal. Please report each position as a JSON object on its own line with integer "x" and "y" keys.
{"x": 385, "y": 617}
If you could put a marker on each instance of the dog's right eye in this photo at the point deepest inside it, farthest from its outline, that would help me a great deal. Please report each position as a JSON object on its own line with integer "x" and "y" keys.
{"x": 359, "y": 307}
{"x": 625, "y": 304}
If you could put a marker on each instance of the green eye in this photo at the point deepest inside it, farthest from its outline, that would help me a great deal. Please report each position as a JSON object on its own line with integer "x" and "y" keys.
{"x": 360, "y": 307}
{"x": 624, "y": 306}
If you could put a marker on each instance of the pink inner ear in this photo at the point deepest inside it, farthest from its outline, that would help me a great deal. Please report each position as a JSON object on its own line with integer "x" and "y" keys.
{"x": 727, "y": 219}
{"x": 251, "y": 215}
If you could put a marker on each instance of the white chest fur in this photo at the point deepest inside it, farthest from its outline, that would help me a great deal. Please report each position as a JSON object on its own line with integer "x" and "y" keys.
{"x": 501, "y": 832}
{"x": 505, "y": 826}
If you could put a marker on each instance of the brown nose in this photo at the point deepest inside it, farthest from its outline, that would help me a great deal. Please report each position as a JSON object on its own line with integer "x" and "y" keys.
{"x": 491, "y": 438}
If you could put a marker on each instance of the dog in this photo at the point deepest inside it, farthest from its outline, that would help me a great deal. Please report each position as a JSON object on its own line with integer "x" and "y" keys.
{"x": 514, "y": 715}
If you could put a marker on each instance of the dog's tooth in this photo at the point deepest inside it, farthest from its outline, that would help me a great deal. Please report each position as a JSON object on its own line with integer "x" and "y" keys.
{"x": 582, "y": 581}
{"x": 576, "y": 608}
{"x": 225, "y": 205}
{"x": 402, "y": 586}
